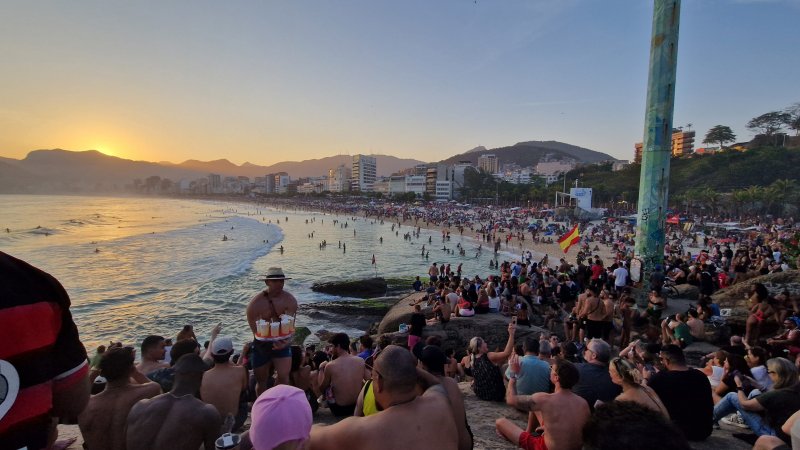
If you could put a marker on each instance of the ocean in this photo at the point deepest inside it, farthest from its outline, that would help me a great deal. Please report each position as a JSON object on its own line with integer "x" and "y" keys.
{"x": 140, "y": 266}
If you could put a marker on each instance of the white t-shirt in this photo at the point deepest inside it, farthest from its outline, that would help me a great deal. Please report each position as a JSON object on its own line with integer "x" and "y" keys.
{"x": 620, "y": 276}
{"x": 452, "y": 298}
{"x": 494, "y": 302}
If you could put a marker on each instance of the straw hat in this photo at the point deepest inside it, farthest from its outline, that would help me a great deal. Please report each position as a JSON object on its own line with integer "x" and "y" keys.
{"x": 275, "y": 273}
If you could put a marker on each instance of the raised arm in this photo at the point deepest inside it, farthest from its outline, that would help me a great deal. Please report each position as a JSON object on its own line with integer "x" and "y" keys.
{"x": 501, "y": 357}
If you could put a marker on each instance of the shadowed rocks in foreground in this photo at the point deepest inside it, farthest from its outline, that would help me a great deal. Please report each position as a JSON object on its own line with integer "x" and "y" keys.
{"x": 370, "y": 287}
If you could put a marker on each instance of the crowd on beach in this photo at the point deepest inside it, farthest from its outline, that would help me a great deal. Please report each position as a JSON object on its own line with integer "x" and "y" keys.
{"x": 605, "y": 372}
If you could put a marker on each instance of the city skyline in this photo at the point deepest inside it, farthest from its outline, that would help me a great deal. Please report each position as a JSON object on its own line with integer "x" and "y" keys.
{"x": 270, "y": 82}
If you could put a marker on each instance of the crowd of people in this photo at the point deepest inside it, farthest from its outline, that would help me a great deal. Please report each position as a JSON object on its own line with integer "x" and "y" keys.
{"x": 603, "y": 362}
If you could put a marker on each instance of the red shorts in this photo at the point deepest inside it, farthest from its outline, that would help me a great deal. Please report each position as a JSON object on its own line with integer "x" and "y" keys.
{"x": 531, "y": 442}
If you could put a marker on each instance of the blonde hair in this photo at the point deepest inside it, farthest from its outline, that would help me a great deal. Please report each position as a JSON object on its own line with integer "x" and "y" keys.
{"x": 629, "y": 373}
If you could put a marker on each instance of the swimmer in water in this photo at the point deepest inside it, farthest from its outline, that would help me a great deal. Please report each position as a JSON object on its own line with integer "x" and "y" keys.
{"x": 224, "y": 237}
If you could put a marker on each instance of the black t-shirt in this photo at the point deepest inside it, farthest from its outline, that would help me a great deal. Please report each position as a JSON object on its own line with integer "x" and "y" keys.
{"x": 687, "y": 396}
{"x": 595, "y": 384}
{"x": 779, "y": 405}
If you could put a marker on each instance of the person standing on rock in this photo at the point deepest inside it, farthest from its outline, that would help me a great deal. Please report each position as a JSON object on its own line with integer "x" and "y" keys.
{"x": 269, "y": 305}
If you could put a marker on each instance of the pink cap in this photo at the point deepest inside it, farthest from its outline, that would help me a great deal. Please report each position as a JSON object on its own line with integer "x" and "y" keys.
{"x": 279, "y": 415}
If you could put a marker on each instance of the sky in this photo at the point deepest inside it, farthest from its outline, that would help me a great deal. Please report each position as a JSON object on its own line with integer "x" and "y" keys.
{"x": 269, "y": 81}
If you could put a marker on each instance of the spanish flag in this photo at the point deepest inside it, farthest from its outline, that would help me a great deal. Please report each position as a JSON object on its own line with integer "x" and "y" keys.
{"x": 566, "y": 241}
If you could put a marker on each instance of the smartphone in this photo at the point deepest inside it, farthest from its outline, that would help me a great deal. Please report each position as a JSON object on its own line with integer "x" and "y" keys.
{"x": 514, "y": 320}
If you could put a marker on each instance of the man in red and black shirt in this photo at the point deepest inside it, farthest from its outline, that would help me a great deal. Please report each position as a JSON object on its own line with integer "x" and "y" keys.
{"x": 43, "y": 364}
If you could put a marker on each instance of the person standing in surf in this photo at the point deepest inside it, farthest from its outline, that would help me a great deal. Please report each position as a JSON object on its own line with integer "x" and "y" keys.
{"x": 269, "y": 305}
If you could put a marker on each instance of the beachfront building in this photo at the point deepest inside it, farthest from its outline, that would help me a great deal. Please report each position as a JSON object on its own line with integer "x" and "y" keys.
{"x": 363, "y": 174}
{"x": 214, "y": 183}
{"x": 415, "y": 184}
{"x": 339, "y": 179}
{"x": 457, "y": 176}
{"x": 489, "y": 163}
{"x": 444, "y": 190}
{"x": 682, "y": 144}
{"x": 435, "y": 173}
{"x": 282, "y": 181}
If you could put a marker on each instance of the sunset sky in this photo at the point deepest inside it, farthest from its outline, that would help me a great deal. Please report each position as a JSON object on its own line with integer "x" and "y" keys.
{"x": 269, "y": 81}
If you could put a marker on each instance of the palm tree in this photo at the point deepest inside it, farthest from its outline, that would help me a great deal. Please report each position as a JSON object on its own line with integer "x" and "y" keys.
{"x": 755, "y": 194}
{"x": 783, "y": 192}
{"x": 739, "y": 199}
{"x": 710, "y": 198}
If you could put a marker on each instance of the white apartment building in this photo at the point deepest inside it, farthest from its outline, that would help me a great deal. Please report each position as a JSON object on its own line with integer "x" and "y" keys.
{"x": 281, "y": 182}
{"x": 339, "y": 179}
{"x": 415, "y": 184}
{"x": 444, "y": 190}
{"x": 364, "y": 173}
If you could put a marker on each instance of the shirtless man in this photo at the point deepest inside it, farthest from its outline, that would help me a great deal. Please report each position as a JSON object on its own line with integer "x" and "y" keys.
{"x": 176, "y": 420}
{"x": 269, "y": 305}
{"x": 407, "y": 420}
{"x": 442, "y": 312}
{"x": 562, "y": 413}
{"x": 433, "y": 359}
{"x": 593, "y": 311}
{"x": 153, "y": 351}
{"x": 223, "y": 384}
{"x": 102, "y": 423}
{"x": 344, "y": 375}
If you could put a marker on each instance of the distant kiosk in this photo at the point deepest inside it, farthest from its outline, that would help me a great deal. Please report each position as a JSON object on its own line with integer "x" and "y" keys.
{"x": 579, "y": 200}
{"x": 578, "y": 196}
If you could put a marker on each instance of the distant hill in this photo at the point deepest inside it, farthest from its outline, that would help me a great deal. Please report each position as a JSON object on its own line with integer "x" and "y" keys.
{"x": 723, "y": 172}
{"x": 66, "y": 171}
{"x": 531, "y": 152}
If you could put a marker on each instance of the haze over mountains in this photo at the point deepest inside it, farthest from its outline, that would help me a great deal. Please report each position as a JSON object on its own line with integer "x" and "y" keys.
{"x": 53, "y": 171}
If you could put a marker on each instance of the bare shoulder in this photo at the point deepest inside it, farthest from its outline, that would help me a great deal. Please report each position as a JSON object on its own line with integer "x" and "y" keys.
{"x": 334, "y": 436}
{"x": 150, "y": 389}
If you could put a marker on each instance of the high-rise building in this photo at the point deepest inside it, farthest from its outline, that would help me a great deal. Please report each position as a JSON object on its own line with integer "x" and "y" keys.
{"x": 364, "y": 173}
{"x": 339, "y": 179}
{"x": 214, "y": 183}
{"x": 682, "y": 144}
{"x": 489, "y": 163}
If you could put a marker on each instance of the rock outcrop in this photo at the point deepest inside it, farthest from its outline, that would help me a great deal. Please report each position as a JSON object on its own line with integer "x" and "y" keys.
{"x": 370, "y": 287}
{"x": 735, "y": 297}
{"x": 493, "y": 327}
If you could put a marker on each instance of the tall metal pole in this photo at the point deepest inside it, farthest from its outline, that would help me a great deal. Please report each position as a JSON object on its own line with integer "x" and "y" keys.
{"x": 657, "y": 145}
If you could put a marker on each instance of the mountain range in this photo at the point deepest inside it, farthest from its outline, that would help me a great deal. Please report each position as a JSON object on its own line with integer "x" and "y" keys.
{"x": 47, "y": 171}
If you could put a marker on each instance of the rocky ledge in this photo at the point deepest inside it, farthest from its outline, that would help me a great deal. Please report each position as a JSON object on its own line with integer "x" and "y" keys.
{"x": 368, "y": 288}
{"x": 735, "y": 297}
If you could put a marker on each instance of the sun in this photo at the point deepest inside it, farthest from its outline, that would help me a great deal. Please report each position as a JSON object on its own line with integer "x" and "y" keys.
{"x": 106, "y": 150}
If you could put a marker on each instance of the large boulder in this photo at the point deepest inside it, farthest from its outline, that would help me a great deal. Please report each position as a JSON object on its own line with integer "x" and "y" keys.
{"x": 687, "y": 291}
{"x": 736, "y": 297}
{"x": 370, "y": 287}
{"x": 493, "y": 328}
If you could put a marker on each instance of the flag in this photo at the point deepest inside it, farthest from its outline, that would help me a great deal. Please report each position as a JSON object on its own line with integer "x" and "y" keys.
{"x": 373, "y": 259}
{"x": 566, "y": 241}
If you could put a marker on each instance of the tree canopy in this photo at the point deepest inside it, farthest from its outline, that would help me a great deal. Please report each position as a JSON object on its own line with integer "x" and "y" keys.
{"x": 719, "y": 134}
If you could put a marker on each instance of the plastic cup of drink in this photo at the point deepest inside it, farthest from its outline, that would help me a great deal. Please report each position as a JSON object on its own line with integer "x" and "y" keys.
{"x": 275, "y": 329}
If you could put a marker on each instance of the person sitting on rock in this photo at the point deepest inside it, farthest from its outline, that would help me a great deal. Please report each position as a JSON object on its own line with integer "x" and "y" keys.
{"x": 787, "y": 342}
{"x": 485, "y": 367}
{"x": 674, "y": 330}
{"x": 760, "y": 312}
{"x": 562, "y": 414}
{"x": 442, "y": 313}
